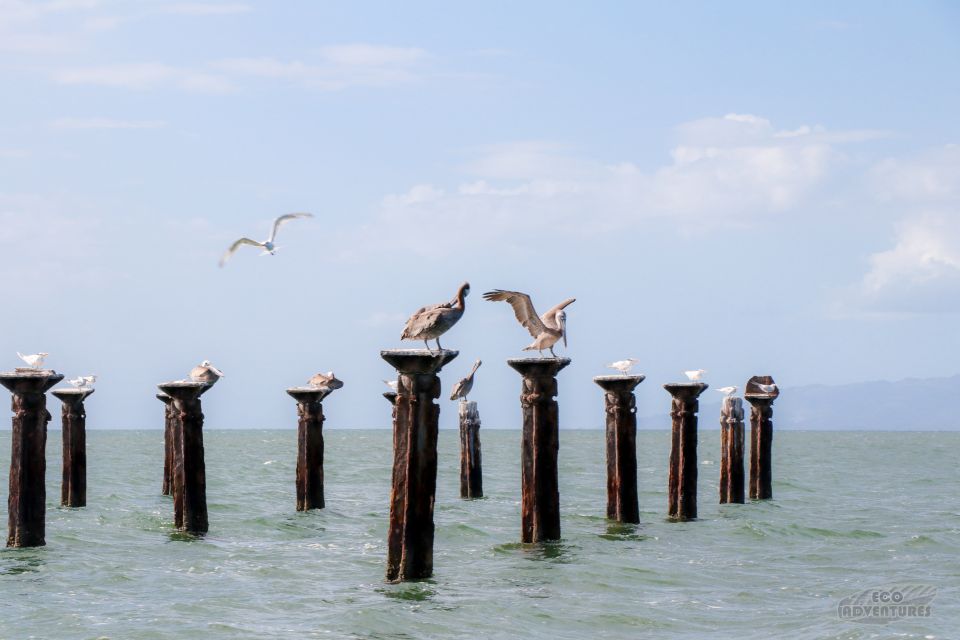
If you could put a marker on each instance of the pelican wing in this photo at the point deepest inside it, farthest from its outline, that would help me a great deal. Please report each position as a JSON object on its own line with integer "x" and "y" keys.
{"x": 457, "y": 389}
{"x": 236, "y": 245}
{"x": 423, "y": 319}
{"x": 522, "y": 308}
{"x": 548, "y": 317}
{"x": 282, "y": 220}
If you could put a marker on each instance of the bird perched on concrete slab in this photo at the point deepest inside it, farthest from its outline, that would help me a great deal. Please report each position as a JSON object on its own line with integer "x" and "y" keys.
{"x": 83, "y": 382}
{"x": 624, "y": 366}
{"x": 767, "y": 388}
{"x": 267, "y": 245}
{"x": 205, "y": 372}
{"x": 546, "y": 330}
{"x": 326, "y": 380}
{"x": 465, "y": 385}
{"x": 393, "y": 384}
{"x": 429, "y": 323}
{"x": 727, "y": 391}
{"x": 35, "y": 361}
{"x": 695, "y": 375}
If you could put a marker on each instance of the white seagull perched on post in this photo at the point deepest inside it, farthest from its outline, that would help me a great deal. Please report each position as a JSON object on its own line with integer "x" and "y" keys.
{"x": 83, "y": 382}
{"x": 393, "y": 384}
{"x": 767, "y": 388}
{"x": 34, "y": 360}
{"x": 727, "y": 391}
{"x": 695, "y": 375}
{"x": 267, "y": 245}
{"x": 624, "y": 366}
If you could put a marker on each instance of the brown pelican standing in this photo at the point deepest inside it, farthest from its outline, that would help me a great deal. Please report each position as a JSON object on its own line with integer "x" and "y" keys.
{"x": 326, "y": 380}
{"x": 465, "y": 385}
{"x": 205, "y": 372}
{"x": 429, "y": 323}
{"x": 546, "y": 329}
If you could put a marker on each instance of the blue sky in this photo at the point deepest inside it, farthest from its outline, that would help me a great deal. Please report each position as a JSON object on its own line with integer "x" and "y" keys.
{"x": 745, "y": 187}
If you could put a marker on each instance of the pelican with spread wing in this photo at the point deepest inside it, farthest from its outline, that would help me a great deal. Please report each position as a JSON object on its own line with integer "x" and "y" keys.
{"x": 267, "y": 245}
{"x": 546, "y": 330}
{"x": 429, "y": 323}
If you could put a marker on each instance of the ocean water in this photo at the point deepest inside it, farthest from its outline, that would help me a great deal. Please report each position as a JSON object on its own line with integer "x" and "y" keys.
{"x": 851, "y": 511}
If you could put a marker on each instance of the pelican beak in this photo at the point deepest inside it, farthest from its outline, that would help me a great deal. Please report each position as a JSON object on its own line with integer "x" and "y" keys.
{"x": 563, "y": 330}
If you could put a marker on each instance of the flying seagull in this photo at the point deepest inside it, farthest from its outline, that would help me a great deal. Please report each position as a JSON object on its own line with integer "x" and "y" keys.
{"x": 326, "y": 380}
{"x": 695, "y": 375}
{"x": 727, "y": 391}
{"x": 205, "y": 372}
{"x": 429, "y": 323}
{"x": 546, "y": 330}
{"x": 465, "y": 385}
{"x": 267, "y": 245}
{"x": 35, "y": 360}
{"x": 624, "y": 366}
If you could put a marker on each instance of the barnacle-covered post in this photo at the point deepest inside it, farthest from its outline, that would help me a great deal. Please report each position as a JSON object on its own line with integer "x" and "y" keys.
{"x": 189, "y": 469}
{"x": 73, "y": 488}
{"x": 540, "y": 442}
{"x": 620, "y": 403}
{"x": 26, "y": 501}
{"x": 731, "y": 450}
{"x": 761, "y": 435}
{"x": 471, "y": 470}
{"x": 169, "y": 425}
{"x": 415, "y": 423}
{"x": 682, "y": 477}
{"x": 309, "y": 446}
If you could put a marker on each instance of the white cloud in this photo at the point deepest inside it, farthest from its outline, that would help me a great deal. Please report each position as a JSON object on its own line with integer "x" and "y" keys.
{"x": 105, "y": 123}
{"x": 145, "y": 76}
{"x": 337, "y": 67}
{"x": 205, "y": 8}
{"x": 921, "y": 273}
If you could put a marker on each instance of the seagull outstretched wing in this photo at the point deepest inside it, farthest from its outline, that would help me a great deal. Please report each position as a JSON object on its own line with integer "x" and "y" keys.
{"x": 236, "y": 245}
{"x": 282, "y": 220}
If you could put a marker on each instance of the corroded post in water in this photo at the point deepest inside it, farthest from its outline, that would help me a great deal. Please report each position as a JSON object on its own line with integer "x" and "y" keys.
{"x": 309, "y": 446}
{"x": 761, "y": 435}
{"x": 471, "y": 470}
{"x": 620, "y": 403}
{"x": 682, "y": 478}
{"x": 169, "y": 426}
{"x": 415, "y": 423}
{"x": 731, "y": 450}
{"x": 26, "y": 502}
{"x": 540, "y": 493}
{"x": 73, "y": 488}
{"x": 189, "y": 470}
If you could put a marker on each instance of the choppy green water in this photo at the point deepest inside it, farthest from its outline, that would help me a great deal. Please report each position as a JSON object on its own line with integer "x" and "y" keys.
{"x": 852, "y": 511}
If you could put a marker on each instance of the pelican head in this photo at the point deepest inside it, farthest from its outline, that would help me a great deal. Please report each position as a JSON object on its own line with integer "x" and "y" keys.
{"x": 562, "y": 325}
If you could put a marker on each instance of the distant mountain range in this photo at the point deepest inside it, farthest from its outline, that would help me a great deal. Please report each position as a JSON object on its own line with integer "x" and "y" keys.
{"x": 911, "y": 404}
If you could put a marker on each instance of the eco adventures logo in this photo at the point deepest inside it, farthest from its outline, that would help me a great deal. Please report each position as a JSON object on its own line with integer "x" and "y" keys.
{"x": 884, "y": 605}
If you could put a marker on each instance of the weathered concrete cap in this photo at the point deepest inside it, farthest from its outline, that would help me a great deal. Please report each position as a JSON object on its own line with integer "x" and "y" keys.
{"x": 72, "y": 396}
{"x": 185, "y": 389}
{"x": 539, "y": 366}
{"x": 619, "y": 382}
{"x": 418, "y": 361}
{"x": 309, "y": 394}
{"x": 686, "y": 390}
{"x": 391, "y": 396}
{"x": 30, "y": 380}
